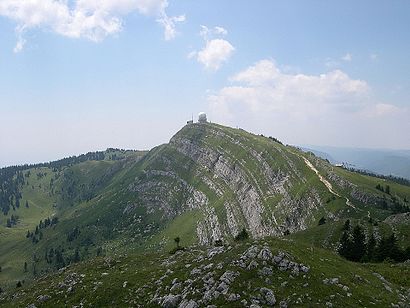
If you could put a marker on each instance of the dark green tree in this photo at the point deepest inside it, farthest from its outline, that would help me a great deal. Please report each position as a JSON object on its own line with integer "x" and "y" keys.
{"x": 76, "y": 257}
{"x": 396, "y": 253}
{"x": 345, "y": 247}
{"x": 371, "y": 249}
{"x": 322, "y": 221}
{"x": 358, "y": 244}
{"x": 346, "y": 226}
{"x": 385, "y": 248}
{"x": 243, "y": 235}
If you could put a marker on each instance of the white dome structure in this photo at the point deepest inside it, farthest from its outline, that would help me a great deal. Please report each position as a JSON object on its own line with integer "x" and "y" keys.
{"x": 202, "y": 117}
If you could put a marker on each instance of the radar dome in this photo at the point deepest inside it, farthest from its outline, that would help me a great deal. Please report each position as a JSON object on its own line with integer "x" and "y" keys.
{"x": 202, "y": 117}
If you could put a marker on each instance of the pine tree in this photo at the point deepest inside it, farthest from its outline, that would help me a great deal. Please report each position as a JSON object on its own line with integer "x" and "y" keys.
{"x": 396, "y": 253}
{"x": 346, "y": 226}
{"x": 358, "y": 244}
{"x": 371, "y": 249}
{"x": 345, "y": 246}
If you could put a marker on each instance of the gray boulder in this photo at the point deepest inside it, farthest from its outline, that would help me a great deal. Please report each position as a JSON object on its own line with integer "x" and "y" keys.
{"x": 171, "y": 301}
{"x": 266, "y": 271}
{"x": 188, "y": 304}
{"x": 229, "y": 276}
{"x": 251, "y": 252}
{"x": 223, "y": 288}
{"x": 252, "y": 265}
{"x": 176, "y": 287}
{"x": 304, "y": 268}
{"x": 265, "y": 254}
{"x": 43, "y": 298}
{"x": 268, "y": 296}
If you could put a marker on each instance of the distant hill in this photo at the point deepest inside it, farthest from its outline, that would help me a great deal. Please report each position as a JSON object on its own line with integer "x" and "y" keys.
{"x": 386, "y": 162}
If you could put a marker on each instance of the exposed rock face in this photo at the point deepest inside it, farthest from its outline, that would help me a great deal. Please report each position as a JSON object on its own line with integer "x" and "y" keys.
{"x": 403, "y": 218}
{"x": 235, "y": 180}
{"x": 253, "y": 178}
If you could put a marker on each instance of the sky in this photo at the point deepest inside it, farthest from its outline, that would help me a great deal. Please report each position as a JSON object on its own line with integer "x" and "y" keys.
{"x": 84, "y": 75}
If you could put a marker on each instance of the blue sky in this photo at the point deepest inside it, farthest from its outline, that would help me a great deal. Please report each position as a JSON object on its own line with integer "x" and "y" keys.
{"x": 85, "y": 75}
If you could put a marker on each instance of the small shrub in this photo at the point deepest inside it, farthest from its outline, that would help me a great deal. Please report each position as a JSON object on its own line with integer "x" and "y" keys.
{"x": 243, "y": 235}
{"x": 322, "y": 221}
{"x": 219, "y": 243}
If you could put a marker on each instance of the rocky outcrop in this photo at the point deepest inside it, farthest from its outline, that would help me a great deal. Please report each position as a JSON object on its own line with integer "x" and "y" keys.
{"x": 234, "y": 179}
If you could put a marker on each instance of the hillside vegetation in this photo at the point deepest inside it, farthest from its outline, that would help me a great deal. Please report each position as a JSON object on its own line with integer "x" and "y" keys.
{"x": 207, "y": 185}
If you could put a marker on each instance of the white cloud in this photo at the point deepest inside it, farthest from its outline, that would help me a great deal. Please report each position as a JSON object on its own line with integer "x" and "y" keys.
{"x": 220, "y": 30}
{"x": 209, "y": 33}
{"x": 216, "y": 51}
{"x": 169, "y": 24}
{"x": 327, "y": 108}
{"x": 347, "y": 57}
{"x": 20, "y": 40}
{"x": 90, "y": 19}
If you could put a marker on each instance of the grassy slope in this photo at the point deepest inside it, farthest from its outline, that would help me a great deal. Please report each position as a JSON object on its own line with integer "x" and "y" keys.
{"x": 328, "y": 235}
{"x": 139, "y": 271}
{"x": 44, "y": 199}
{"x": 15, "y": 249}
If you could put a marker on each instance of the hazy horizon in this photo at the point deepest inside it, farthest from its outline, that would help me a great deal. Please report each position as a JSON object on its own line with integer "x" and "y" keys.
{"x": 306, "y": 146}
{"x": 79, "y": 77}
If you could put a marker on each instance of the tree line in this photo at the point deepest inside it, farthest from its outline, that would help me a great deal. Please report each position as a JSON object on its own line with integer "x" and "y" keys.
{"x": 392, "y": 178}
{"x": 12, "y": 178}
{"x": 37, "y": 235}
{"x": 354, "y": 247}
